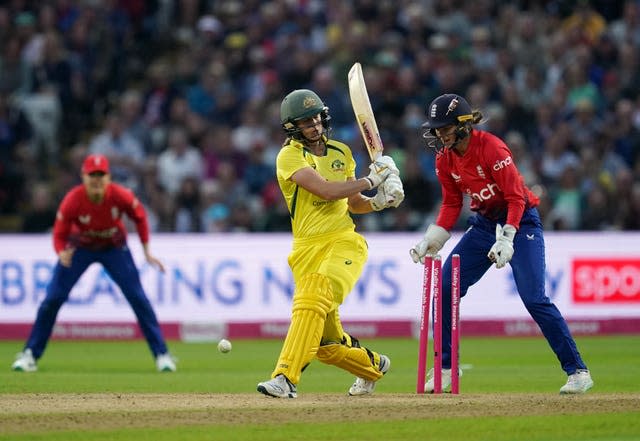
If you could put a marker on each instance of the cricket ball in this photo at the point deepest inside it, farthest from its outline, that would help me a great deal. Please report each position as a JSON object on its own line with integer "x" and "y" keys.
{"x": 224, "y": 346}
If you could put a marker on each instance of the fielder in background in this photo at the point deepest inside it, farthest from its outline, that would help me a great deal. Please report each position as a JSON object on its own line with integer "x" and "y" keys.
{"x": 505, "y": 229}
{"x": 89, "y": 229}
{"x": 316, "y": 175}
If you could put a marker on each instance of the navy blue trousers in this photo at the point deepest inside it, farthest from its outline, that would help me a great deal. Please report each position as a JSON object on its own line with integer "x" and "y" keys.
{"x": 528, "y": 266}
{"x": 120, "y": 266}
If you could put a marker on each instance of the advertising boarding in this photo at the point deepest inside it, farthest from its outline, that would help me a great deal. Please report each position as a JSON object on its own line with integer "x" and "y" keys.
{"x": 240, "y": 285}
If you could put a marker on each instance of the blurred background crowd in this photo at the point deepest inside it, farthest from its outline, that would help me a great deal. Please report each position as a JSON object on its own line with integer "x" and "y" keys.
{"x": 184, "y": 98}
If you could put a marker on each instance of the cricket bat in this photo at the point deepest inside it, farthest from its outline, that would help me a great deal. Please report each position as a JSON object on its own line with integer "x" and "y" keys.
{"x": 364, "y": 114}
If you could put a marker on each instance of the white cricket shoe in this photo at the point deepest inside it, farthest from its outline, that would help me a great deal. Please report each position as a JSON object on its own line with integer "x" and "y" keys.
{"x": 165, "y": 363}
{"x": 578, "y": 383}
{"x": 365, "y": 387}
{"x": 279, "y": 387}
{"x": 446, "y": 380}
{"x": 25, "y": 362}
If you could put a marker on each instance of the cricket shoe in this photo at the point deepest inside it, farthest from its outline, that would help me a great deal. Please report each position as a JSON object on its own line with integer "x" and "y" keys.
{"x": 577, "y": 383}
{"x": 25, "y": 362}
{"x": 165, "y": 363}
{"x": 279, "y": 387}
{"x": 365, "y": 387}
{"x": 446, "y": 380}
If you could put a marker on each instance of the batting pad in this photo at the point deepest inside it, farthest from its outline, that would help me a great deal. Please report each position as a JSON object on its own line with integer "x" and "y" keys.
{"x": 357, "y": 360}
{"x": 311, "y": 302}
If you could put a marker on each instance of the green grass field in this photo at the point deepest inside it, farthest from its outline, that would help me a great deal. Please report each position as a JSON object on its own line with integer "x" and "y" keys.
{"x": 509, "y": 391}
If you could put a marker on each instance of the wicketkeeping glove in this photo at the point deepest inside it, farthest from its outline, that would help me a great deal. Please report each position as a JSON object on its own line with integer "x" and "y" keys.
{"x": 502, "y": 251}
{"x": 434, "y": 239}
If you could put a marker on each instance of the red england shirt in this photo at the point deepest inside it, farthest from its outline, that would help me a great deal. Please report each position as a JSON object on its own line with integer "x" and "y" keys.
{"x": 82, "y": 223}
{"x": 487, "y": 173}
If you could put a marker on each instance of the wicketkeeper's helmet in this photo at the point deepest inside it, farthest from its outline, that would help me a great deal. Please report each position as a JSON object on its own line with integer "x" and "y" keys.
{"x": 447, "y": 110}
{"x": 298, "y": 105}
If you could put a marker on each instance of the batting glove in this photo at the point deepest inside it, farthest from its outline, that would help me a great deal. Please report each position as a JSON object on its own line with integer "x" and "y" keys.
{"x": 393, "y": 190}
{"x": 377, "y": 175}
{"x": 388, "y": 163}
{"x": 502, "y": 251}
{"x": 434, "y": 239}
{"x": 390, "y": 194}
{"x": 379, "y": 201}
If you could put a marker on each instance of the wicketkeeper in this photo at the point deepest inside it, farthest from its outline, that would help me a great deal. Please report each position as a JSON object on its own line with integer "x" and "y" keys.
{"x": 505, "y": 229}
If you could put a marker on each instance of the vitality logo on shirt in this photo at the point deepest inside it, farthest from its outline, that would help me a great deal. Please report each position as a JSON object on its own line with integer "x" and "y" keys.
{"x": 84, "y": 219}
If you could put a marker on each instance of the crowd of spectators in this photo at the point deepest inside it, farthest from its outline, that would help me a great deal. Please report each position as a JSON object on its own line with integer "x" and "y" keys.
{"x": 184, "y": 97}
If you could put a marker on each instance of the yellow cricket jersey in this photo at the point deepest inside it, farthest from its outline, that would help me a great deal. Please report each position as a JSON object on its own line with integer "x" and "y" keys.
{"x": 310, "y": 214}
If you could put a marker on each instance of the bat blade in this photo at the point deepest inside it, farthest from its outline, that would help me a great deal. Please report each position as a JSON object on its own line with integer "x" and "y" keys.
{"x": 365, "y": 117}
{"x": 363, "y": 112}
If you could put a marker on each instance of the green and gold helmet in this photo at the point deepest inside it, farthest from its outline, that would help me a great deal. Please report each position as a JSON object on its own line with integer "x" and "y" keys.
{"x": 298, "y": 105}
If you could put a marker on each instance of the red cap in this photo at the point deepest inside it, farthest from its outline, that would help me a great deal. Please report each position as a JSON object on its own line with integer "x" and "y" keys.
{"x": 95, "y": 163}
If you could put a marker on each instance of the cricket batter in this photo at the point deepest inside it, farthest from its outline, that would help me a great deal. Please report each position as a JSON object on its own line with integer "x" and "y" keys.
{"x": 89, "y": 229}
{"x": 505, "y": 229}
{"x": 316, "y": 175}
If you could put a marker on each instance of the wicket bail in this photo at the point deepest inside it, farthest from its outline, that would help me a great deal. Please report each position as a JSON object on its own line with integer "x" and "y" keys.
{"x": 432, "y": 283}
